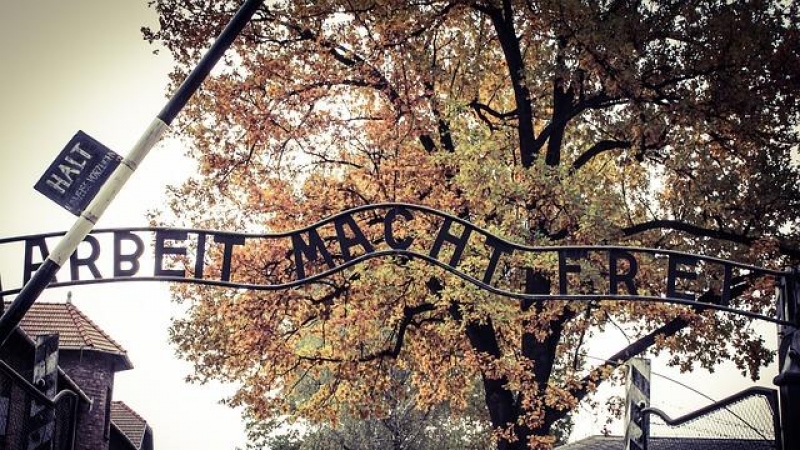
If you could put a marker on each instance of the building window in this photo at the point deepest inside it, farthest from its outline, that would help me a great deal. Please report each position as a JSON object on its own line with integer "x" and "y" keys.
{"x": 107, "y": 423}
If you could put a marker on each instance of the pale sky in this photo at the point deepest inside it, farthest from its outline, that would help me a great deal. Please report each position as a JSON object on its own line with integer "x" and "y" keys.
{"x": 82, "y": 65}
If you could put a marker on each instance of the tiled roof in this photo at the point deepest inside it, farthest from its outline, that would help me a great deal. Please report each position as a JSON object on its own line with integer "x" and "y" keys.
{"x": 128, "y": 422}
{"x": 595, "y": 443}
{"x": 76, "y": 331}
{"x": 664, "y": 443}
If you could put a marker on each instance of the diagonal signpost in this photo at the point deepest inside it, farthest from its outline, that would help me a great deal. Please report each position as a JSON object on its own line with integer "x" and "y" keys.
{"x": 75, "y": 180}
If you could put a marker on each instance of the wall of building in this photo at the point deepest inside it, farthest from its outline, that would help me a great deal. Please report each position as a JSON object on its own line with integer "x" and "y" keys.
{"x": 94, "y": 373}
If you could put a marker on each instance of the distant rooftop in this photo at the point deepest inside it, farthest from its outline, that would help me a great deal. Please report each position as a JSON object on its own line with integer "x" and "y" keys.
{"x": 76, "y": 331}
{"x": 671, "y": 443}
{"x": 131, "y": 424}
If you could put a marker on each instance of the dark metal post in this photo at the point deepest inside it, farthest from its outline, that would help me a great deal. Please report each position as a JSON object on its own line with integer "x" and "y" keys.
{"x": 45, "y": 376}
{"x": 34, "y": 287}
{"x": 788, "y": 380}
{"x": 637, "y": 392}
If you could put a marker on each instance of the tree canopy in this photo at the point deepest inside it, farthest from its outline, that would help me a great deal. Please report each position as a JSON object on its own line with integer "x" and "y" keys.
{"x": 666, "y": 124}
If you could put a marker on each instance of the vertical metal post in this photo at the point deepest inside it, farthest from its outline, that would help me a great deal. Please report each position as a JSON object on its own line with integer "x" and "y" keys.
{"x": 637, "y": 422}
{"x": 45, "y": 376}
{"x": 34, "y": 287}
{"x": 788, "y": 380}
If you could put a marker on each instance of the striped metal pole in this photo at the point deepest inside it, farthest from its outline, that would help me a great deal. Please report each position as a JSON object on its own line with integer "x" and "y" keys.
{"x": 84, "y": 224}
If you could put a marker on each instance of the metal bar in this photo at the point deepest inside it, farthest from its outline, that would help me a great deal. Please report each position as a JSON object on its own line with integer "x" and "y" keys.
{"x": 31, "y": 291}
{"x": 637, "y": 399}
{"x": 81, "y": 395}
{"x": 774, "y": 405}
{"x": 444, "y": 215}
{"x": 31, "y": 390}
{"x": 788, "y": 380}
{"x": 410, "y": 254}
{"x": 41, "y": 433}
{"x": 73, "y": 423}
{"x": 200, "y": 72}
{"x": 718, "y": 405}
{"x": 790, "y": 416}
{"x": 26, "y": 385}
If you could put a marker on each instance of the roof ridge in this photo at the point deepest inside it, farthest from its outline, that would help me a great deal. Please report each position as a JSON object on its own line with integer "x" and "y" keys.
{"x": 73, "y": 308}
{"x": 73, "y": 312}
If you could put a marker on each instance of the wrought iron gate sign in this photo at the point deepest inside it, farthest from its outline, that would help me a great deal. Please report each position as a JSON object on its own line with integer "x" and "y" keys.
{"x": 293, "y": 258}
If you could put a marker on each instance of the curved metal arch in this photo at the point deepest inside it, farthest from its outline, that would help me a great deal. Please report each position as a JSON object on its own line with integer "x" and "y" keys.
{"x": 417, "y": 255}
{"x": 429, "y": 210}
{"x": 411, "y": 254}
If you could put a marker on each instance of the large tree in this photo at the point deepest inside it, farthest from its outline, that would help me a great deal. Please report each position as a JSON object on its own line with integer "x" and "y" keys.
{"x": 667, "y": 124}
{"x": 404, "y": 427}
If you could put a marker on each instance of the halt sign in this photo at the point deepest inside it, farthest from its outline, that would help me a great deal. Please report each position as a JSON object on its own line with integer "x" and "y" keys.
{"x": 78, "y": 173}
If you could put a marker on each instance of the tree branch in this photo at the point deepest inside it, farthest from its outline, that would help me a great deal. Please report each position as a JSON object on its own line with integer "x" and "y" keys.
{"x": 595, "y": 376}
{"x": 477, "y": 106}
{"x": 695, "y": 230}
{"x": 445, "y": 136}
{"x": 596, "y": 149}
{"x": 503, "y": 22}
{"x": 392, "y": 352}
{"x": 381, "y": 84}
{"x": 562, "y": 106}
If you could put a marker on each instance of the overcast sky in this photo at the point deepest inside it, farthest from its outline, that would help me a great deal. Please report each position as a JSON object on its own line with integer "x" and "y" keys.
{"x": 82, "y": 65}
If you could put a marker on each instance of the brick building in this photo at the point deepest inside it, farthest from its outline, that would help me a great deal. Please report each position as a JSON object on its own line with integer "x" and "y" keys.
{"x": 86, "y": 417}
